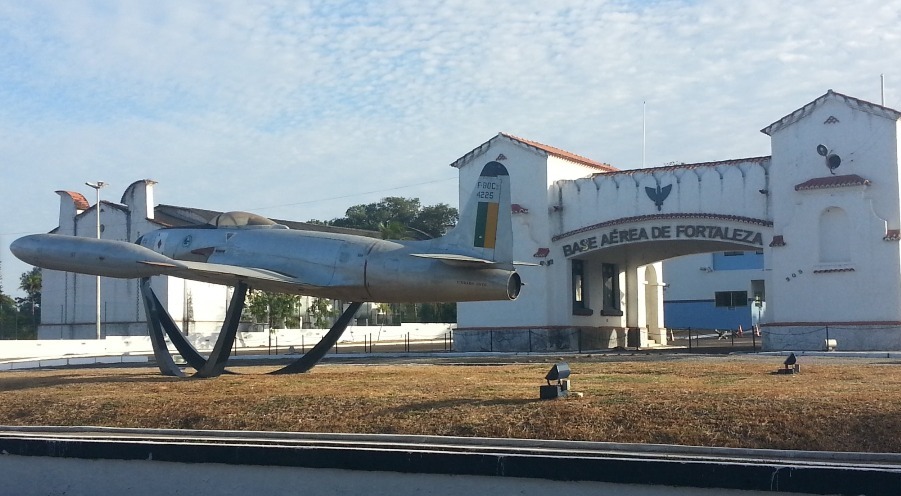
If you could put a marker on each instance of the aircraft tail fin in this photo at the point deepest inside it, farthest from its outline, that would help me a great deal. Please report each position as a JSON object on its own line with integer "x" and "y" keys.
{"x": 485, "y": 228}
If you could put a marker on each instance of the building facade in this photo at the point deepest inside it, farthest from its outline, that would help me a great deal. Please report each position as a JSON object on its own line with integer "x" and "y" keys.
{"x": 804, "y": 242}
{"x": 69, "y": 300}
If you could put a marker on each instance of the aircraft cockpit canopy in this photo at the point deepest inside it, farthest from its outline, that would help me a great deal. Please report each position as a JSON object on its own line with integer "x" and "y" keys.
{"x": 242, "y": 219}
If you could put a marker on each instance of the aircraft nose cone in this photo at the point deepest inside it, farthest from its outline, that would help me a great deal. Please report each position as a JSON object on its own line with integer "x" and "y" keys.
{"x": 24, "y": 248}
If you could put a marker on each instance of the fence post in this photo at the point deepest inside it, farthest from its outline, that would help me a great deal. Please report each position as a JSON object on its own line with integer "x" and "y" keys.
{"x": 580, "y": 340}
{"x": 689, "y": 339}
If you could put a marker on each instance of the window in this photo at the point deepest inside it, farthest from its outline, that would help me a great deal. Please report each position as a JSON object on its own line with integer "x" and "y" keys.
{"x": 580, "y": 289}
{"x": 835, "y": 236}
{"x": 610, "y": 278}
{"x": 731, "y": 299}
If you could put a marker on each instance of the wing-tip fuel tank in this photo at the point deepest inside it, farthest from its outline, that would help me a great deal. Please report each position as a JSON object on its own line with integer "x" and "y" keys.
{"x": 472, "y": 262}
{"x": 99, "y": 257}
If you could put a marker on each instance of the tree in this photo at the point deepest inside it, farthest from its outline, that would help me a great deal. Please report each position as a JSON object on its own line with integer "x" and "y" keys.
{"x": 8, "y": 317}
{"x": 30, "y": 282}
{"x": 321, "y": 312}
{"x": 399, "y": 218}
{"x": 404, "y": 218}
{"x": 435, "y": 220}
{"x": 393, "y": 230}
{"x": 275, "y": 309}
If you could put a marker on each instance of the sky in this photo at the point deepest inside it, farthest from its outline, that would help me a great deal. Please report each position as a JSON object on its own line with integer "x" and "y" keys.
{"x": 299, "y": 109}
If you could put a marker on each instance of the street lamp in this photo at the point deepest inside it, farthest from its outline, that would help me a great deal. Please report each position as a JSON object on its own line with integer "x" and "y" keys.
{"x": 97, "y": 186}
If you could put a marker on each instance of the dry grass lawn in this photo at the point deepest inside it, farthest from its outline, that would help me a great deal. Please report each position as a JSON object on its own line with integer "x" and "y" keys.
{"x": 835, "y": 405}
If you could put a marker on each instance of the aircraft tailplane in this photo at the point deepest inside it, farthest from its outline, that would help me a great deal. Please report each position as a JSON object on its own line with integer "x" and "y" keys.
{"x": 485, "y": 228}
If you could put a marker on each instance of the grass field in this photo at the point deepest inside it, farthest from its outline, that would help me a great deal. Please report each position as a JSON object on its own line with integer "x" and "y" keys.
{"x": 733, "y": 401}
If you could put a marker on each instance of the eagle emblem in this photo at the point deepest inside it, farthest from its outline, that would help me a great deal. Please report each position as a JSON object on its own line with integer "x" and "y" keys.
{"x": 658, "y": 195}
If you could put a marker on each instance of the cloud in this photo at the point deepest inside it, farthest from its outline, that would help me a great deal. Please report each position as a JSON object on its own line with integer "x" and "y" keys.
{"x": 255, "y": 104}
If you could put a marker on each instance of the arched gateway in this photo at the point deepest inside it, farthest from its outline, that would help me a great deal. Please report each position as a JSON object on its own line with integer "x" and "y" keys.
{"x": 823, "y": 210}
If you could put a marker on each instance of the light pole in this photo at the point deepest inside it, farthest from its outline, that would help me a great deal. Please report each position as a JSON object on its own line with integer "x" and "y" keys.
{"x": 97, "y": 186}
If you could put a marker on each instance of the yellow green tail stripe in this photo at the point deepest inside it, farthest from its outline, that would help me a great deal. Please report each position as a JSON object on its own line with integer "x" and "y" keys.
{"x": 486, "y": 225}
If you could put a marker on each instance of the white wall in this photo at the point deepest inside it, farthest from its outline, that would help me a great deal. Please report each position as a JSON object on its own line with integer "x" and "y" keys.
{"x": 204, "y": 341}
{"x": 804, "y": 286}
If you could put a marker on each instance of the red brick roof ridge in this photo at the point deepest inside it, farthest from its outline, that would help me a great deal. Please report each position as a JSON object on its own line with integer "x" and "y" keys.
{"x": 864, "y": 105}
{"x": 563, "y": 153}
{"x": 832, "y": 182}
{"x": 81, "y": 203}
{"x": 729, "y": 162}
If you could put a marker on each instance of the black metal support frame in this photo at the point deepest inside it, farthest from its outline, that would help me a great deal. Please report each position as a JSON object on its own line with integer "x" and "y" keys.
{"x": 215, "y": 364}
{"x": 161, "y": 322}
{"x": 156, "y": 320}
{"x": 312, "y": 357}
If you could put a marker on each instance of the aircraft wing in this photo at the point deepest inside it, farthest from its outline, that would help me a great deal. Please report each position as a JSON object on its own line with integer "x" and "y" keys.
{"x": 120, "y": 259}
{"x": 457, "y": 260}
{"x": 464, "y": 260}
{"x": 228, "y": 274}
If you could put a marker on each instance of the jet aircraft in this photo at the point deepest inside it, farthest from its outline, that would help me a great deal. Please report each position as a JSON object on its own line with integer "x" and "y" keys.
{"x": 472, "y": 262}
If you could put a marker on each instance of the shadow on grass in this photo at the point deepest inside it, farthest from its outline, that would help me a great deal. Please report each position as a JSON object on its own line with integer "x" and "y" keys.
{"x": 11, "y": 382}
{"x": 459, "y": 402}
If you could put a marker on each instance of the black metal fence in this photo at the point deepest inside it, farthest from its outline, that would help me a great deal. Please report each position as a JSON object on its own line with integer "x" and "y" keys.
{"x": 710, "y": 340}
{"x": 406, "y": 344}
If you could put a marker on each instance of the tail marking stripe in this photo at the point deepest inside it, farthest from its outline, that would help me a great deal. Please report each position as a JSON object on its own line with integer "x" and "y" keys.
{"x": 486, "y": 225}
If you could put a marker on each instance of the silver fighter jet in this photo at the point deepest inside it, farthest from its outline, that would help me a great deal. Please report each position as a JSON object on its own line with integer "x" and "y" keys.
{"x": 472, "y": 262}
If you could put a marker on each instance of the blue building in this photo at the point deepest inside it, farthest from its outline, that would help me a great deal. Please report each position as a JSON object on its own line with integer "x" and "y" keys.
{"x": 719, "y": 290}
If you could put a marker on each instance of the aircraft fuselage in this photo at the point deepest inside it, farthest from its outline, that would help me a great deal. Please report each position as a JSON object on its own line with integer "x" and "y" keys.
{"x": 339, "y": 266}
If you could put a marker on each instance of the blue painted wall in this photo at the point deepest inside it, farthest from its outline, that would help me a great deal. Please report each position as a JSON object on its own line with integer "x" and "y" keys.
{"x": 704, "y": 314}
{"x": 739, "y": 261}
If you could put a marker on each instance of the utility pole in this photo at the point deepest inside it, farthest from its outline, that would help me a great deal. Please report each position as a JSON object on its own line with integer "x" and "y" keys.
{"x": 97, "y": 186}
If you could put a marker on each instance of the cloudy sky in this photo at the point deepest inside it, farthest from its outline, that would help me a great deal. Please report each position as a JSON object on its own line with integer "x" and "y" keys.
{"x": 298, "y": 109}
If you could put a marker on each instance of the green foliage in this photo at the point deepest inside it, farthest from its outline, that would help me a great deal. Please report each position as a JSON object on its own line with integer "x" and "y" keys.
{"x": 275, "y": 309}
{"x": 438, "y": 312}
{"x": 30, "y": 282}
{"x": 30, "y": 306}
{"x": 399, "y": 218}
{"x": 434, "y": 220}
{"x": 393, "y": 230}
{"x": 19, "y": 317}
{"x": 321, "y": 312}
{"x": 9, "y": 317}
{"x": 424, "y": 312}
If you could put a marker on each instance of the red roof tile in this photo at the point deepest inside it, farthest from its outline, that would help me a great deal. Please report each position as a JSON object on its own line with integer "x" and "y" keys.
{"x": 572, "y": 157}
{"x": 832, "y": 271}
{"x": 550, "y": 150}
{"x": 832, "y": 182}
{"x": 856, "y": 103}
{"x": 668, "y": 168}
{"x": 81, "y": 203}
